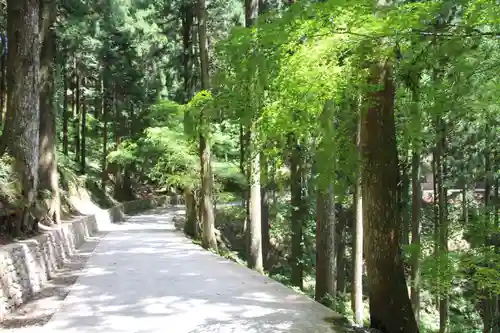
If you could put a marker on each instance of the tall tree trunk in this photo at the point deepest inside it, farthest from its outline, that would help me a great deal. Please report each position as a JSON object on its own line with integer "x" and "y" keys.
{"x": 325, "y": 158}
{"x": 404, "y": 207}
{"x": 98, "y": 98}
{"x": 435, "y": 211}
{"x": 390, "y": 306}
{"x": 3, "y": 79}
{"x": 465, "y": 204}
{"x": 496, "y": 194}
{"x": 341, "y": 244}
{"x": 107, "y": 101}
{"x": 206, "y": 200}
{"x": 357, "y": 286}
{"x": 65, "y": 135}
{"x": 251, "y": 12}
{"x": 255, "y": 215}
{"x": 495, "y": 298}
{"x": 191, "y": 224}
{"x": 188, "y": 56}
{"x": 415, "y": 232}
{"x": 325, "y": 246}
{"x": 83, "y": 151}
{"x": 416, "y": 199}
{"x": 244, "y": 194}
{"x": 48, "y": 176}
{"x": 22, "y": 124}
{"x": 264, "y": 204}
{"x": 119, "y": 171}
{"x": 442, "y": 221}
{"x": 254, "y": 260}
{"x": 273, "y": 184}
{"x": 489, "y": 301}
{"x": 76, "y": 113}
{"x": 297, "y": 220}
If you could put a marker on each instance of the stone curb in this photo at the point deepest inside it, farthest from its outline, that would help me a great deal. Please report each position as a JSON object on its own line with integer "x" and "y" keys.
{"x": 26, "y": 266}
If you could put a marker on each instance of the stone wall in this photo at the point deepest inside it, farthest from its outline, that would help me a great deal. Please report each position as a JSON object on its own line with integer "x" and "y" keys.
{"x": 25, "y": 266}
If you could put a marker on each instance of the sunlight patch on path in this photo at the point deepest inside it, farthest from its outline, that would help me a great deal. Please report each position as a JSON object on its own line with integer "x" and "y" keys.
{"x": 146, "y": 277}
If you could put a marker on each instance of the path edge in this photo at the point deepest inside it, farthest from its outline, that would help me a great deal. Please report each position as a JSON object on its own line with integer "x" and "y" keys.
{"x": 26, "y": 266}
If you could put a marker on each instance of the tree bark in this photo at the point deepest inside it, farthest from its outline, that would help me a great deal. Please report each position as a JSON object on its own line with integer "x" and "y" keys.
{"x": 208, "y": 217}
{"x": 243, "y": 170}
{"x": 83, "y": 151}
{"x": 254, "y": 228}
{"x": 3, "y": 79}
{"x": 98, "y": 98}
{"x": 442, "y": 221}
{"x": 415, "y": 233}
{"x": 188, "y": 12}
{"x": 106, "y": 109}
{"x": 190, "y": 225}
{"x": 119, "y": 171}
{"x": 76, "y": 113}
{"x": 416, "y": 200}
{"x": 340, "y": 253}
{"x": 255, "y": 214}
{"x": 495, "y": 299}
{"x": 489, "y": 301}
{"x": 264, "y": 204}
{"x": 22, "y": 125}
{"x": 206, "y": 200}
{"x": 251, "y": 12}
{"x": 390, "y": 306}
{"x": 65, "y": 135}
{"x": 435, "y": 211}
{"x": 297, "y": 201}
{"x": 325, "y": 246}
{"x": 48, "y": 176}
{"x": 404, "y": 207}
{"x": 188, "y": 56}
{"x": 357, "y": 287}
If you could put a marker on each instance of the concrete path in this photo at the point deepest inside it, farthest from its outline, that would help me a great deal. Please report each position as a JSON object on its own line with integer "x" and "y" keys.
{"x": 146, "y": 277}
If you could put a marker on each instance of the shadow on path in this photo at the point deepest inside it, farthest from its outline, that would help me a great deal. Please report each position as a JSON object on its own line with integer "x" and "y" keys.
{"x": 147, "y": 277}
{"x": 43, "y": 304}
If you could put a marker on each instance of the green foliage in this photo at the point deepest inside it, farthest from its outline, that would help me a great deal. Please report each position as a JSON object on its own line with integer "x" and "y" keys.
{"x": 166, "y": 112}
{"x": 9, "y": 185}
{"x": 304, "y": 71}
{"x": 125, "y": 153}
{"x": 199, "y": 107}
{"x": 301, "y": 69}
{"x": 167, "y": 151}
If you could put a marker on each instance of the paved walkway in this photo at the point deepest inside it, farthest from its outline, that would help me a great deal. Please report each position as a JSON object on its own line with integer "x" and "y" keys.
{"x": 146, "y": 277}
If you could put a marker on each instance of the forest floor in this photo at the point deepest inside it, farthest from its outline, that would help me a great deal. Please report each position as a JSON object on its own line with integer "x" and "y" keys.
{"x": 145, "y": 275}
